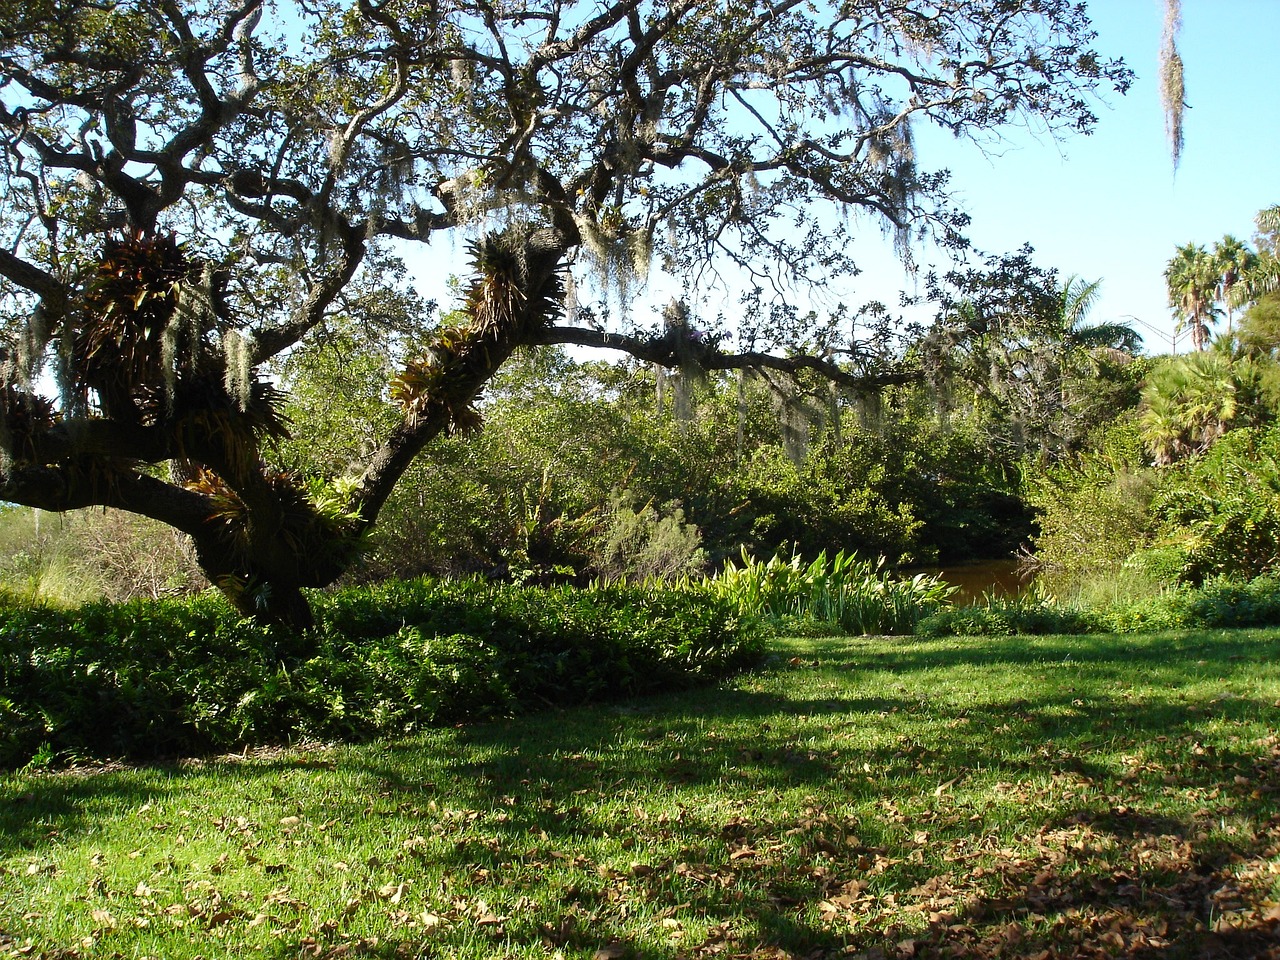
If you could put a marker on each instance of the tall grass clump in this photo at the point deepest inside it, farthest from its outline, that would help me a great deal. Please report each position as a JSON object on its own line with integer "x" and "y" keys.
{"x": 856, "y": 596}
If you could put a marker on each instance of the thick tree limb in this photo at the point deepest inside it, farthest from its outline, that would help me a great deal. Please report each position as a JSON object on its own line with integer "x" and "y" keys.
{"x": 30, "y": 277}
{"x": 66, "y": 487}
{"x": 99, "y": 437}
{"x": 661, "y": 350}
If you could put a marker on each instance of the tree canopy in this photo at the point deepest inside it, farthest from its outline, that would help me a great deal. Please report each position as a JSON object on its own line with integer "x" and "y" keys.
{"x": 194, "y": 189}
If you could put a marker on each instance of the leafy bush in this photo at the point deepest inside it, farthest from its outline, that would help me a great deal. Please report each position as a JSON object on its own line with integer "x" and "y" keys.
{"x": 530, "y": 497}
{"x": 1228, "y": 603}
{"x": 967, "y": 621}
{"x": 153, "y": 679}
{"x": 1095, "y": 511}
{"x": 1222, "y": 511}
{"x": 643, "y": 542}
{"x": 1213, "y": 515}
{"x": 1217, "y": 603}
{"x": 856, "y": 595}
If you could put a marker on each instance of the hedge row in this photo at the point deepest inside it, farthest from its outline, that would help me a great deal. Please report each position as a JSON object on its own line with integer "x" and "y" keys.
{"x": 145, "y": 680}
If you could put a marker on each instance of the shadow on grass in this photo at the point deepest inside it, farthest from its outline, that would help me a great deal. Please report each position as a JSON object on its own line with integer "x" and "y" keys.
{"x": 42, "y": 808}
{"x": 553, "y": 777}
{"x": 1066, "y": 903}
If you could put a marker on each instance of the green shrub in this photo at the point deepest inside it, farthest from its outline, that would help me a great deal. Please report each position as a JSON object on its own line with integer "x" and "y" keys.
{"x": 1221, "y": 511}
{"x": 1227, "y": 603}
{"x": 641, "y": 542}
{"x": 156, "y": 679}
{"x": 1030, "y": 616}
{"x": 966, "y": 621}
{"x": 1095, "y": 510}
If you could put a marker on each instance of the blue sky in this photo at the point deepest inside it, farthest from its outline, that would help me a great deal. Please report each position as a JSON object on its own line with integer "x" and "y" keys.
{"x": 1109, "y": 205}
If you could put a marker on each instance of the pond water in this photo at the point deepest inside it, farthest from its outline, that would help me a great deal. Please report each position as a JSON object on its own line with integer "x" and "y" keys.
{"x": 998, "y": 578}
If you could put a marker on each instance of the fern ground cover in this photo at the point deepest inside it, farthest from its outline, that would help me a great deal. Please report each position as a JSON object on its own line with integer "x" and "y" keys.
{"x": 1024, "y": 797}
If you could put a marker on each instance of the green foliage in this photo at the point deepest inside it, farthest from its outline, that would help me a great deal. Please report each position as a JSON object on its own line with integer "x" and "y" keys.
{"x": 1011, "y": 342}
{"x": 1215, "y": 604}
{"x": 1033, "y": 615}
{"x": 969, "y": 621}
{"x": 1215, "y": 514}
{"x": 533, "y": 495}
{"x": 1222, "y": 511}
{"x": 1259, "y": 330}
{"x": 155, "y": 679}
{"x": 1095, "y": 511}
{"x": 1191, "y": 401}
{"x": 646, "y": 543}
{"x": 72, "y": 558}
{"x": 857, "y": 596}
{"x": 837, "y": 499}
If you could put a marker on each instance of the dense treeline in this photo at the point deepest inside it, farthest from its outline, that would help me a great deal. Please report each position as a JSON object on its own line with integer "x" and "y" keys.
{"x": 1025, "y": 426}
{"x": 1028, "y": 430}
{"x": 601, "y": 471}
{"x": 1183, "y": 486}
{"x": 588, "y": 470}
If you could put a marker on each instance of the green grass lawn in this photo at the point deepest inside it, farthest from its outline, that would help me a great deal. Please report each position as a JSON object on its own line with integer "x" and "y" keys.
{"x": 1022, "y": 797}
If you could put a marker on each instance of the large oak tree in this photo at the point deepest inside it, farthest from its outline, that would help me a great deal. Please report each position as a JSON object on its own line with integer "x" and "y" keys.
{"x": 194, "y": 188}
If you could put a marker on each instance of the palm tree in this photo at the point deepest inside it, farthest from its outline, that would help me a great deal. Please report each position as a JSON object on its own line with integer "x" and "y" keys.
{"x": 1263, "y": 276}
{"x": 1078, "y": 297}
{"x": 1192, "y": 280}
{"x": 1189, "y": 402}
{"x": 1234, "y": 261}
{"x": 1050, "y": 364}
{"x": 1268, "y": 220}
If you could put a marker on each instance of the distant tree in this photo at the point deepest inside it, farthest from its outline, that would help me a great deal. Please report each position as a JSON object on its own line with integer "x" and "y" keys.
{"x": 1259, "y": 331}
{"x": 1268, "y": 224}
{"x": 1263, "y": 276}
{"x": 1234, "y": 261}
{"x": 191, "y": 190}
{"x": 1021, "y": 339}
{"x": 1192, "y": 279}
{"x": 1256, "y": 286}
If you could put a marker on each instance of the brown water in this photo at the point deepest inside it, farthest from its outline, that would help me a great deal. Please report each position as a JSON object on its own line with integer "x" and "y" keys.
{"x": 998, "y": 578}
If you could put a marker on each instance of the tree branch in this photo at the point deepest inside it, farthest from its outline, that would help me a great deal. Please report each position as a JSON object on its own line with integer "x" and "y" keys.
{"x": 662, "y": 351}
{"x": 66, "y": 487}
{"x": 30, "y": 277}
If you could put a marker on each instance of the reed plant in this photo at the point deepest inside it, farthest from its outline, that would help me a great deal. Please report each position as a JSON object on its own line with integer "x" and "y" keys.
{"x": 855, "y": 595}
